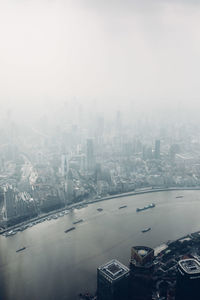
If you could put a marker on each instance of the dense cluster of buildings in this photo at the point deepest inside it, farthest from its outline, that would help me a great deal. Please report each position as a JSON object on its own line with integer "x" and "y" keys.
{"x": 17, "y": 205}
{"x": 170, "y": 272}
{"x": 48, "y": 167}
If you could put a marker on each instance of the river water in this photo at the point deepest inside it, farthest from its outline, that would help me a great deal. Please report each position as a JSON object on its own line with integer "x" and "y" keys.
{"x": 58, "y": 265}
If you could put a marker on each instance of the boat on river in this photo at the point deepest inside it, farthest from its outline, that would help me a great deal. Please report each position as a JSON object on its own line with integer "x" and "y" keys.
{"x": 152, "y": 205}
{"x": 21, "y": 249}
{"x": 99, "y": 209}
{"x": 123, "y": 206}
{"x": 146, "y": 229}
{"x": 70, "y": 229}
{"x": 78, "y": 221}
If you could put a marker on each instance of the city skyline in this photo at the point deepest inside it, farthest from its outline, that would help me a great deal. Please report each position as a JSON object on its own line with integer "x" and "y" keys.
{"x": 109, "y": 54}
{"x": 99, "y": 150}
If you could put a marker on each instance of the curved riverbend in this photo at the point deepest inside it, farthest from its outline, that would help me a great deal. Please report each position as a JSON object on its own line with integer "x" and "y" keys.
{"x": 56, "y": 265}
{"x": 94, "y": 200}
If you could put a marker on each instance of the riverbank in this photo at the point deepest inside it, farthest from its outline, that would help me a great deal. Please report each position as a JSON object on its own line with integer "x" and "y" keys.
{"x": 87, "y": 202}
{"x": 143, "y": 191}
{"x": 43, "y": 216}
{"x": 81, "y": 251}
{"x": 165, "y": 263}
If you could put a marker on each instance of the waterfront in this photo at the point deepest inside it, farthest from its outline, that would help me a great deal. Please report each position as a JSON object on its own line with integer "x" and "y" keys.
{"x": 56, "y": 265}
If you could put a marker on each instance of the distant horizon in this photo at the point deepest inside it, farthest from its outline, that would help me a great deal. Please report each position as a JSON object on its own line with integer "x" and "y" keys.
{"x": 105, "y": 54}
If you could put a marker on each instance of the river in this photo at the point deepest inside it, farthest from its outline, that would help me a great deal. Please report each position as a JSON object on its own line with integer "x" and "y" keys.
{"x": 58, "y": 265}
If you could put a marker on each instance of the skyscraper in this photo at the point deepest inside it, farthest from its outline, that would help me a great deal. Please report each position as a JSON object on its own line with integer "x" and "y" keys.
{"x": 142, "y": 257}
{"x": 112, "y": 281}
{"x": 70, "y": 187}
{"x": 90, "y": 155}
{"x": 157, "y": 149}
{"x": 141, "y": 270}
{"x": 64, "y": 165}
{"x": 188, "y": 280}
{"x": 9, "y": 203}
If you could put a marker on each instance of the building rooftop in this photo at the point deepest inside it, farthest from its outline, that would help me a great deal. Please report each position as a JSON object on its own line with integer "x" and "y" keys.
{"x": 113, "y": 270}
{"x": 190, "y": 266}
{"x": 142, "y": 250}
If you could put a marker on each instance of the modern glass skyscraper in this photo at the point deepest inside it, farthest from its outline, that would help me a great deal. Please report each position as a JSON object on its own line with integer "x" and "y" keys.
{"x": 188, "y": 280}
{"x": 112, "y": 281}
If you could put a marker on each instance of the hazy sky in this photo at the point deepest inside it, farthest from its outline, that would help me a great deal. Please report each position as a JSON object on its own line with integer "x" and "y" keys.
{"x": 108, "y": 50}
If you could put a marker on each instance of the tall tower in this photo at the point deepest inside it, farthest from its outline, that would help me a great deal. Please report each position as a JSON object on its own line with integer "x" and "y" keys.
{"x": 157, "y": 149}
{"x": 64, "y": 165}
{"x": 141, "y": 270}
{"x": 188, "y": 280}
{"x": 9, "y": 203}
{"x": 112, "y": 281}
{"x": 90, "y": 155}
{"x": 70, "y": 187}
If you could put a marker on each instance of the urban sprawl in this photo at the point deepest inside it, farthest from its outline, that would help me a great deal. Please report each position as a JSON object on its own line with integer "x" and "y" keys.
{"x": 44, "y": 167}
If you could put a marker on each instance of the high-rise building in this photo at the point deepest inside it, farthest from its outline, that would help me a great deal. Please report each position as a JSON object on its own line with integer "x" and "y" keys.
{"x": 142, "y": 259}
{"x": 157, "y": 149}
{"x": 70, "y": 187}
{"x": 90, "y": 155}
{"x": 112, "y": 281}
{"x": 141, "y": 270}
{"x": 64, "y": 165}
{"x": 188, "y": 280}
{"x": 83, "y": 163}
{"x": 9, "y": 203}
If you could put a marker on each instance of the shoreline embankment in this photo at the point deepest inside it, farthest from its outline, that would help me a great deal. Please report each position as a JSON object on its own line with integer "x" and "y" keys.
{"x": 91, "y": 201}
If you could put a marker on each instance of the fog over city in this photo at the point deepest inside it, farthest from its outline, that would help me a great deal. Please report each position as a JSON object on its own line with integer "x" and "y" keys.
{"x": 106, "y": 53}
{"x": 99, "y": 149}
